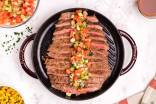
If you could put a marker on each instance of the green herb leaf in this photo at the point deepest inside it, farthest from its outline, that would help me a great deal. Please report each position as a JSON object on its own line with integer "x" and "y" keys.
{"x": 90, "y": 53}
{"x": 73, "y": 66}
{"x": 16, "y": 33}
{"x": 18, "y": 40}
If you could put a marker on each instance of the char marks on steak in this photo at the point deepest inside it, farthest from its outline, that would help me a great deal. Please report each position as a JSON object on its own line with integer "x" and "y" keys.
{"x": 60, "y": 51}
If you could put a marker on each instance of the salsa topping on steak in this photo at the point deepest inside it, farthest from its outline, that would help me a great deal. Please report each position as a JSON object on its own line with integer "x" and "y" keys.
{"x": 77, "y": 61}
{"x": 79, "y": 38}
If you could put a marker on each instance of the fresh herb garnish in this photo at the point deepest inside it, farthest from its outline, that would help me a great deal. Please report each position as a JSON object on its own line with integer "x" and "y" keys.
{"x": 12, "y": 39}
{"x": 90, "y": 54}
{"x": 73, "y": 66}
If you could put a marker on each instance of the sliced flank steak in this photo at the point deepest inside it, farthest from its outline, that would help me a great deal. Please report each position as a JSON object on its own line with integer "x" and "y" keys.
{"x": 60, "y": 51}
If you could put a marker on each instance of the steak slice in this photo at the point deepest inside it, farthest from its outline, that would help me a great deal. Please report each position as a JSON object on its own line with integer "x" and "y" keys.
{"x": 65, "y": 79}
{"x": 64, "y": 24}
{"x": 61, "y": 32}
{"x": 66, "y": 16}
{"x": 69, "y": 89}
{"x": 50, "y": 62}
{"x": 92, "y": 19}
{"x": 93, "y": 26}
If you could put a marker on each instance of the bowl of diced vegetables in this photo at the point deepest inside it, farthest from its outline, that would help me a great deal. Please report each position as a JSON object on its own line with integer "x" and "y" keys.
{"x": 9, "y": 95}
{"x": 16, "y": 12}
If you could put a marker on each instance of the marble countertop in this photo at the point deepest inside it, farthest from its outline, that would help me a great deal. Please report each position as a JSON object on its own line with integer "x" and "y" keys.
{"x": 124, "y": 14}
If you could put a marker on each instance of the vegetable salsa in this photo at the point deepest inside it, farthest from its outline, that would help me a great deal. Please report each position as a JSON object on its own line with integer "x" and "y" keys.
{"x": 15, "y": 12}
{"x": 78, "y": 71}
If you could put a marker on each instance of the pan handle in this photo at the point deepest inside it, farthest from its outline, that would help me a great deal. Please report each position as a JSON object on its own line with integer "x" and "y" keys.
{"x": 134, "y": 51}
{"x": 22, "y": 58}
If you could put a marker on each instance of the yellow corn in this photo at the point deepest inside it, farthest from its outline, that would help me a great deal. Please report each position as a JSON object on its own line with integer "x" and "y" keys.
{"x": 10, "y": 96}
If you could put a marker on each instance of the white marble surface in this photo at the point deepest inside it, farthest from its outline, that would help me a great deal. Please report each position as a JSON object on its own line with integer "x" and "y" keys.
{"x": 124, "y": 14}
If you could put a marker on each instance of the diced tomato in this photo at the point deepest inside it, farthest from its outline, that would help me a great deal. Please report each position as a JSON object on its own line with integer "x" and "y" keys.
{"x": 4, "y": 17}
{"x": 23, "y": 12}
{"x": 1, "y": 4}
{"x": 88, "y": 42}
{"x": 77, "y": 72}
{"x": 68, "y": 71}
{"x": 85, "y": 30}
{"x": 75, "y": 78}
{"x": 79, "y": 49}
{"x": 26, "y": 4}
{"x": 77, "y": 36}
{"x": 81, "y": 90}
{"x": 1, "y": 22}
{"x": 29, "y": 11}
{"x": 78, "y": 58}
{"x": 78, "y": 20}
{"x": 18, "y": 19}
{"x": 31, "y": 1}
{"x": 73, "y": 59}
{"x": 12, "y": 21}
{"x": 15, "y": 3}
{"x": 89, "y": 64}
{"x": 5, "y": 14}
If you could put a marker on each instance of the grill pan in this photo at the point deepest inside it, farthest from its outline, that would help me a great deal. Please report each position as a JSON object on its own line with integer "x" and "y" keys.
{"x": 42, "y": 39}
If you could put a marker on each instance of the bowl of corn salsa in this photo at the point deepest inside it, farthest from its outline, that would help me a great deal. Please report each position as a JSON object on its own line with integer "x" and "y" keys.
{"x": 16, "y": 12}
{"x": 10, "y": 96}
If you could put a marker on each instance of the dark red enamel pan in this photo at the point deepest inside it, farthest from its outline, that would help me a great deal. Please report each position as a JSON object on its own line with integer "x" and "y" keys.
{"x": 42, "y": 39}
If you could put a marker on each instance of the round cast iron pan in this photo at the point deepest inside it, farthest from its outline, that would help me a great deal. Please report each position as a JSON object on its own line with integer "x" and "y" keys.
{"x": 43, "y": 38}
